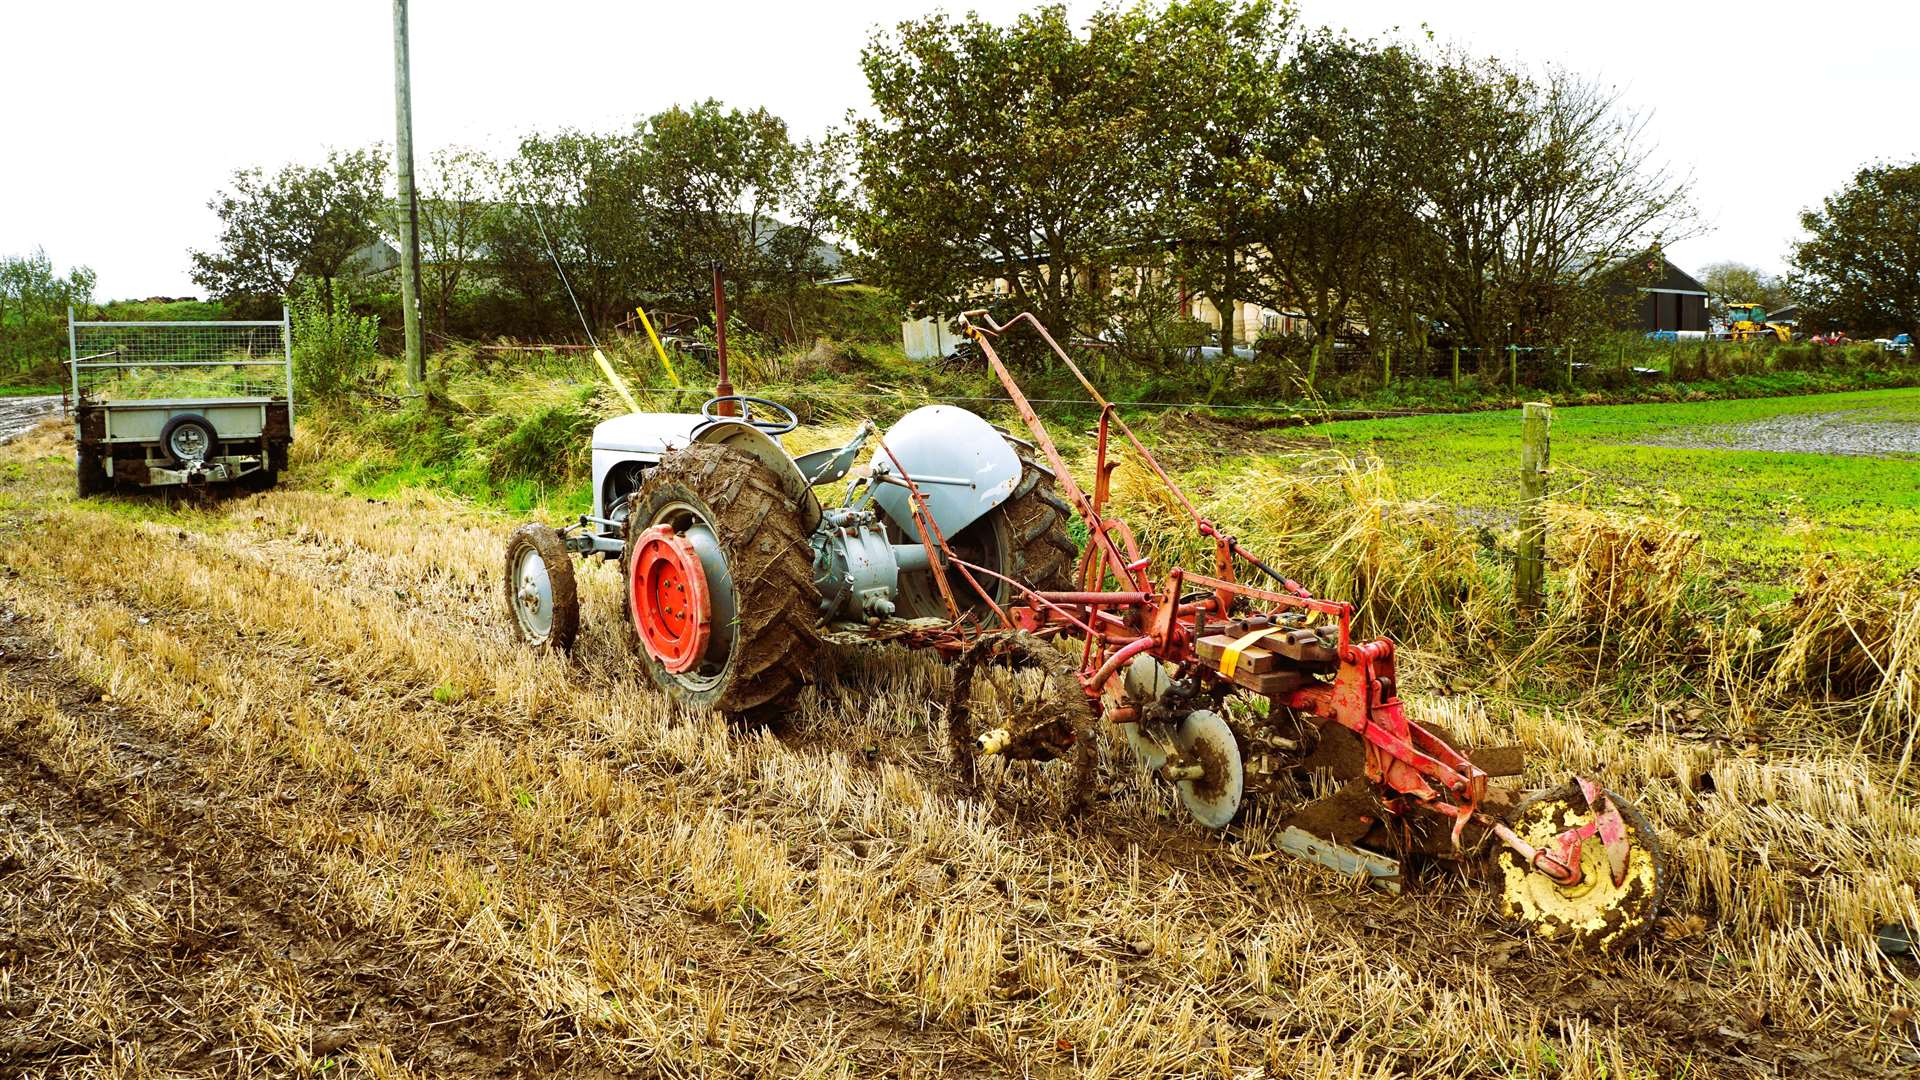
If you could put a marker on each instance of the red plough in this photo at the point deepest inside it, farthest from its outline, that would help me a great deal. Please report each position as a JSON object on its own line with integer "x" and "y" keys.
{"x": 1163, "y": 649}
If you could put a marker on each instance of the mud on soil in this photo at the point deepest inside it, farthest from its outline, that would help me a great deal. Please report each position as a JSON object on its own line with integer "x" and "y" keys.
{"x": 1851, "y": 432}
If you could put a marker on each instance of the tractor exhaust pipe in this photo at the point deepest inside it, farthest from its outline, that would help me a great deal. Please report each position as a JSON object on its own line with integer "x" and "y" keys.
{"x": 725, "y": 387}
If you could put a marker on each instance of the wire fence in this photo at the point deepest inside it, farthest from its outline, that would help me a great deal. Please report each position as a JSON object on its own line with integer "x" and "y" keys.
{"x": 119, "y": 361}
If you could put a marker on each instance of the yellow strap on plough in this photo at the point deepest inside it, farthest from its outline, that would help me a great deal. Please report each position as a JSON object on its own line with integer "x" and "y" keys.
{"x": 1230, "y": 656}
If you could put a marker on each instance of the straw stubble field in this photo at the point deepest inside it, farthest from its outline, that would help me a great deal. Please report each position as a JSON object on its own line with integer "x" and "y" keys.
{"x": 280, "y": 798}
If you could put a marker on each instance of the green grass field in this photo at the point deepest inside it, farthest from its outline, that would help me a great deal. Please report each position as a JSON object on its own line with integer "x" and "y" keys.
{"x": 1694, "y": 462}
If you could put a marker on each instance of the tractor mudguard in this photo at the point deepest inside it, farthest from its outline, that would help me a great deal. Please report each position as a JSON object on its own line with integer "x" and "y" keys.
{"x": 644, "y": 437}
{"x": 962, "y": 466}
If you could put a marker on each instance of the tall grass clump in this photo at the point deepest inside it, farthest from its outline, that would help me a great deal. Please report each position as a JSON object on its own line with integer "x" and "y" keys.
{"x": 549, "y": 445}
{"x": 1852, "y": 637}
{"x": 1625, "y": 578}
{"x": 1341, "y": 528}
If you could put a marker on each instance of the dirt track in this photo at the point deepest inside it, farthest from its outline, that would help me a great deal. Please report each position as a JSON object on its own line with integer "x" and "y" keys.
{"x": 19, "y": 415}
{"x": 1867, "y": 432}
{"x": 281, "y": 797}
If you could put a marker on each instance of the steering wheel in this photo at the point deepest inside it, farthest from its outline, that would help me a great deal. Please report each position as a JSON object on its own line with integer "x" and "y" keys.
{"x": 771, "y": 427}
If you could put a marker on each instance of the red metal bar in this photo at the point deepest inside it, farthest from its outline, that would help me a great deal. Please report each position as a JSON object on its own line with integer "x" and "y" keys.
{"x": 1095, "y": 532}
{"x": 725, "y": 387}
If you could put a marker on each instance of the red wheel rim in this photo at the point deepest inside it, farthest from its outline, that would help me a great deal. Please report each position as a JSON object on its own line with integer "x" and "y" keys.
{"x": 668, "y": 589}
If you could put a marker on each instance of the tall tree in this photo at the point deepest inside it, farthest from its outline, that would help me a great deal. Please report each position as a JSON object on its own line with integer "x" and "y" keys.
{"x": 1028, "y": 153}
{"x": 1736, "y": 282}
{"x": 716, "y": 177}
{"x": 1859, "y": 268}
{"x": 302, "y": 221}
{"x": 457, "y": 193}
{"x": 1340, "y": 194}
{"x": 34, "y": 298}
{"x": 1535, "y": 196}
{"x": 587, "y": 193}
{"x": 1218, "y": 69}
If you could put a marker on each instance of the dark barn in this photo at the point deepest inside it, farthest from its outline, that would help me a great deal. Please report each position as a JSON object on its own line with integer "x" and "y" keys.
{"x": 1675, "y": 302}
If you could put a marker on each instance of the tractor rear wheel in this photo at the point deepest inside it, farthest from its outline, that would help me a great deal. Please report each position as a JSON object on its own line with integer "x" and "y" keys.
{"x": 1024, "y": 538}
{"x": 719, "y": 595}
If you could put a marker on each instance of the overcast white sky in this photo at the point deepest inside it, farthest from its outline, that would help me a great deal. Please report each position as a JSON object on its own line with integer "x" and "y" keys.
{"x": 125, "y": 117}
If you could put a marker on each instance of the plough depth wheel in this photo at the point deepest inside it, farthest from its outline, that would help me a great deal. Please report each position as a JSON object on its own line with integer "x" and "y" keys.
{"x": 1597, "y": 911}
{"x": 1207, "y": 744}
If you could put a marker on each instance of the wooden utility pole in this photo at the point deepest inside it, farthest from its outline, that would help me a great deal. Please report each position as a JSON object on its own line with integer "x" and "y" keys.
{"x": 1530, "y": 561}
{"x": 409, "y": 205}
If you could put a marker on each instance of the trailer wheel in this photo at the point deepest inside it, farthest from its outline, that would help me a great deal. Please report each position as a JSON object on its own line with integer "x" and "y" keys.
{"x": 541, "y": 593}
{"x": 719, "y": 595}
{"x": 188, "y": 438}
{"x": 90, "y": 477}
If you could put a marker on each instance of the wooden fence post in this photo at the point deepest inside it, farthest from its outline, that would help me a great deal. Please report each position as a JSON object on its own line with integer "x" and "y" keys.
{"x": 1569, "y": 349}
{"x": 1513, "y": 368}
{"x": 1530, "y": 562}
{"x": 1386, "y": 365}
{"x": 1456, "y": 365}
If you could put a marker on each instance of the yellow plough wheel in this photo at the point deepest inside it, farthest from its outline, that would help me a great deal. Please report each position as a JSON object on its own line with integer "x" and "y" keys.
{"x": 1593, "y": 913}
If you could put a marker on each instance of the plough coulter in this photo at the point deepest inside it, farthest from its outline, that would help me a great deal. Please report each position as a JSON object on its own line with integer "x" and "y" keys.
{"x": 954, "y": 538}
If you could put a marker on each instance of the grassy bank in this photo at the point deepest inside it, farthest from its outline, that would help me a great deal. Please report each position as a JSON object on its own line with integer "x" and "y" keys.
{"x": 510, "y": 426}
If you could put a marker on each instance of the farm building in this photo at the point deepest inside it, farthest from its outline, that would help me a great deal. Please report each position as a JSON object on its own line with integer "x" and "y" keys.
{"x": 1675, "y": 301}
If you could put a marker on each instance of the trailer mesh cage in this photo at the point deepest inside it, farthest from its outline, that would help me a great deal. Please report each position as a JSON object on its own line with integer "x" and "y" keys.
{"x": 121, "y": 361}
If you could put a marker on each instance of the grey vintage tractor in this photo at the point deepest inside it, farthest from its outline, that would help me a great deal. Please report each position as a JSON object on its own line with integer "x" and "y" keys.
{"x": 734, "y": 566}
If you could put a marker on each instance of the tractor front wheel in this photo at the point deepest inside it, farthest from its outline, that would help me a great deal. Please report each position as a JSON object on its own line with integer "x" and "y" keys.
{"x": 718, "y": 592}
{"x": 541, "y": 593}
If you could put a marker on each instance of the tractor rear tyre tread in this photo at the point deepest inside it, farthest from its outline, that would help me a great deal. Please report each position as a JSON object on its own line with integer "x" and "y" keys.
{"x": 1043, "y": 554}
{"x": 770, "y": 561}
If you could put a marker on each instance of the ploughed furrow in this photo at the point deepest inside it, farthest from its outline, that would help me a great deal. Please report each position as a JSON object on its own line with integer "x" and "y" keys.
{"x": 573, "y": 963}
{"x": 145, "y": 924}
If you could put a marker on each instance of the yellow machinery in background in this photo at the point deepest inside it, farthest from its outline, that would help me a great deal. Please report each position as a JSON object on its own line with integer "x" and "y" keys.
{"x": 1748, "y": 322}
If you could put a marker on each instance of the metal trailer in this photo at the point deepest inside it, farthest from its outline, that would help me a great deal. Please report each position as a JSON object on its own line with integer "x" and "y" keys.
{"x": 160, "y": 404}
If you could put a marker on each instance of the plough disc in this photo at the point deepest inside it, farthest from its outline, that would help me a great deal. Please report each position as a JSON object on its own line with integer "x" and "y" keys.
{"x": 1213, "y": 798}
{"x": 1599, "y": 911}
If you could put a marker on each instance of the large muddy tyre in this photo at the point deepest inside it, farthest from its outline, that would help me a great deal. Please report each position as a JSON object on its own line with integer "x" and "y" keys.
{"x": 90, "y": 476}
{"x": 740, "y": 623}
{"x": 1024, "y": 538}
{"x": 542, "y": 596}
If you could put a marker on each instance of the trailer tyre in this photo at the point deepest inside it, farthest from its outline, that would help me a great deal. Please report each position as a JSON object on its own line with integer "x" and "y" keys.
{"x": 91, "y": 478}
{"x": 541, "y": 593}
{"x": 188, "y": 438}
{"x": 750, "y": 618}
